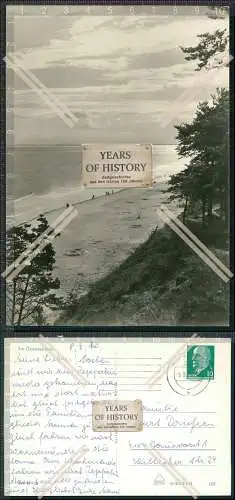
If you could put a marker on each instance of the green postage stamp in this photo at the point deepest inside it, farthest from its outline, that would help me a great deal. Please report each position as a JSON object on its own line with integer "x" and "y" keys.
{"x": 200, "y": 362}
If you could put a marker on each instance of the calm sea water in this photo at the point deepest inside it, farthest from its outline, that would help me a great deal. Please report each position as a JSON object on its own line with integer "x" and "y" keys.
{"x": 41, "y": 170}
{"x": 42, "y": 179}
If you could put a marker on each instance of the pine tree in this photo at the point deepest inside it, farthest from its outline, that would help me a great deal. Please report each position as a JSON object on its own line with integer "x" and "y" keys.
{"x": 205, "y": 141}
{"x": 204, "y": 182}
{"x": 30, "y": 292}
{"x": 210, "y": 51}
{"x": 212, "y": 48}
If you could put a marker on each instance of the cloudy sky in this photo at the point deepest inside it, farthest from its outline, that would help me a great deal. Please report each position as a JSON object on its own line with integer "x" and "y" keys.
{"x": 121, "y": 75}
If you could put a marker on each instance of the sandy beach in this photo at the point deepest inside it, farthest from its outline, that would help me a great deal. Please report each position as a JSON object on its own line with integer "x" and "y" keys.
{"x": 105, "y": 231}
{"x": 103, "y": 234}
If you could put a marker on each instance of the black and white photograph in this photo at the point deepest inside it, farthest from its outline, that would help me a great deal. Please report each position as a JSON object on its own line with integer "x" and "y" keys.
{"x": 154, "y": 77}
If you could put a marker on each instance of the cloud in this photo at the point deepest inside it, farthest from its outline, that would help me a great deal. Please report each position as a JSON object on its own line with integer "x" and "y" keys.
{"x": 27, "y": 38}
{"x": 97, "y": 36}
{"x": 121, "y": 73}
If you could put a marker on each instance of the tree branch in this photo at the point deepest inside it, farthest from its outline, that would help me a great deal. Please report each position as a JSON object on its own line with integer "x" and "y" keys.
{"x": 23, "y": 300}
{"x": 30, "y": 312}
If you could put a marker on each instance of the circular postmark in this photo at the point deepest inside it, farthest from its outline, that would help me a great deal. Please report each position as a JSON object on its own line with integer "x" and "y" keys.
{"x": 179, "y": 383}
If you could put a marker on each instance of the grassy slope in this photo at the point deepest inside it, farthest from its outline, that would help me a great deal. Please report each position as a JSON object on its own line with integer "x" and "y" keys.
{"x": 162, "y": 282}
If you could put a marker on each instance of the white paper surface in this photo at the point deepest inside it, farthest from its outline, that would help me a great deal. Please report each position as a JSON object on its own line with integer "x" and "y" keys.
{"x": 50, "y": 448}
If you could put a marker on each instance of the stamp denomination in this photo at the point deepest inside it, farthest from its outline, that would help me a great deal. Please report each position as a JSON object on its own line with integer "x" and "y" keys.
{"x": 117, "y": 166}
{"x": 200, "y": 362}
{"x": 117, "y": 416}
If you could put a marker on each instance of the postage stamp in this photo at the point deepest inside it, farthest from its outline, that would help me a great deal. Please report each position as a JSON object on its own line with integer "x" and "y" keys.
{"x": 200, "y": 362}
{"x": 117, "y": 416}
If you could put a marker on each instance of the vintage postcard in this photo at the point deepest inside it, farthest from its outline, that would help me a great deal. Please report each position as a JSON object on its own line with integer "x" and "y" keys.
{"x": 114, "y": 417}
{"x": 118, "y": 165}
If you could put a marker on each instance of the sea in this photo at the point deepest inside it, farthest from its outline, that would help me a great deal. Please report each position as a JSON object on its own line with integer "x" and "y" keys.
{"x": 41, "y": 178}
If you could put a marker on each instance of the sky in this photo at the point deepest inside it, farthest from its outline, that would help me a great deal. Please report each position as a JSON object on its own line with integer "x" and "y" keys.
{"x": 120, "y": 75}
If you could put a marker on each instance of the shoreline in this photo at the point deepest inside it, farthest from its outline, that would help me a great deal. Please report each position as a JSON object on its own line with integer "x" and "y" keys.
{"x": 155, "y": 187}
{"x": 61, "y": 207}
{"x": 103, "y": 235}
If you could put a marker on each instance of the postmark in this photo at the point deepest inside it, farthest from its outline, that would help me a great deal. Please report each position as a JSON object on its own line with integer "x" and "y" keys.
{"x": 179, "y": 383}
{"x": 116, "y": 166}
{"x": 200, "y": 362}
{"x": 117, "y": 416}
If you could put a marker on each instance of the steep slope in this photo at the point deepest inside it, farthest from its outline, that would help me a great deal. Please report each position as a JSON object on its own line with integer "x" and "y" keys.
{"x": 162, "y": 282}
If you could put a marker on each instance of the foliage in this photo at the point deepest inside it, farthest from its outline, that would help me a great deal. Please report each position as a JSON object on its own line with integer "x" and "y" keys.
{"x": 211, "y": 49}
{"x": 30, "y": 292}
{"x": 205, "y": 141}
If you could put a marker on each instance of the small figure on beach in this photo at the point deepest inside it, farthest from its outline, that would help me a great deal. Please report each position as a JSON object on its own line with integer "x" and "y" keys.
{"x": 67, "y": 205}
{"x": 93, "y": 196}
